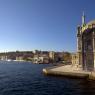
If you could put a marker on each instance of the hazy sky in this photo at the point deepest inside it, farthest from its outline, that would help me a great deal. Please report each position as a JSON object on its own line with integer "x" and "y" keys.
{"x": 42, "y": 24}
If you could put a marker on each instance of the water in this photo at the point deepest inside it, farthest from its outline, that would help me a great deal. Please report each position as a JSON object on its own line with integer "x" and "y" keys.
{"x": 24, "y": 78}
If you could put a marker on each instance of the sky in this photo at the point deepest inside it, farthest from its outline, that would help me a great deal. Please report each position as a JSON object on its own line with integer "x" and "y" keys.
{"x": 42, "y": 24}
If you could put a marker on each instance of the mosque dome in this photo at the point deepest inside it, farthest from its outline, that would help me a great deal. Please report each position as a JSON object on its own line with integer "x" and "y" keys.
{"x": 89, "y": 26}
{"x": 91, "y": 22}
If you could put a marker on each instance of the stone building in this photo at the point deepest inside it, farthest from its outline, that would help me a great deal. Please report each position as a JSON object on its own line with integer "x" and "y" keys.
{"x": 74, "y": 59}
{"x": 86, "y": 45}
{"x": 52, "y": 56}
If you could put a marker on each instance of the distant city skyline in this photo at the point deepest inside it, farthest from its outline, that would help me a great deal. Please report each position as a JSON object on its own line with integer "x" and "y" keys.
{"x": 47, "y": 25}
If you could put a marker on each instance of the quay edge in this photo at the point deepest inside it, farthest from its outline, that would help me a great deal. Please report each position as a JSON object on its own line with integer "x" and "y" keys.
{"x": 74, "y": 74}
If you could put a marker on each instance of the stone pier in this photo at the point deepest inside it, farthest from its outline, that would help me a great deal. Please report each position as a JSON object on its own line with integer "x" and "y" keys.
{"x": 69, "y": 71}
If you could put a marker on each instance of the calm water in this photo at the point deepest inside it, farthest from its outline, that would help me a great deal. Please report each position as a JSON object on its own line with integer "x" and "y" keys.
{"x": 20, "y": 78}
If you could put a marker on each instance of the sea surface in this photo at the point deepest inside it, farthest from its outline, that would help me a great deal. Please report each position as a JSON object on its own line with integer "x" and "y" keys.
{"x": 25, "y": 78}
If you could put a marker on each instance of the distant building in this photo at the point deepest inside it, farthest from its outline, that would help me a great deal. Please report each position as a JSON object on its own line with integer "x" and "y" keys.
{"x": 19, "y": 58}
{"x": 41, "y": 59}
{"x": 36, "y": 59}
{"x": 3, "y": 57}
{"x": 52, "y": 55}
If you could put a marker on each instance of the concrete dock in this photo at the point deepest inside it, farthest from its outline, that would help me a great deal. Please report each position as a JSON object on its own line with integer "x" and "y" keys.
{"x": 70, "y": 71}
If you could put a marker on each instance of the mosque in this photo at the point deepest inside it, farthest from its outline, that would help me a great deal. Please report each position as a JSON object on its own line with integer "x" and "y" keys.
{"x": 85, "y": 56}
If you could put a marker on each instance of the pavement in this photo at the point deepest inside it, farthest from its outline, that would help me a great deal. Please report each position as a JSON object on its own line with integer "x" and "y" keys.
{"x": 70, "y": 68}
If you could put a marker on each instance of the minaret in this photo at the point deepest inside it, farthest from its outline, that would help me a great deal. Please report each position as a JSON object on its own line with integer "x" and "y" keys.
{"x": 83, "y": 19}
{"x": 78, "y": 38}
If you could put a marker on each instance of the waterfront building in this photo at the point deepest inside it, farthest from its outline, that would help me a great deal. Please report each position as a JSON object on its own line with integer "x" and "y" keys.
{"x": 36, "y": 59}
{"x": 3, "y": 57}
{"x": 59, "y": 56}
{"x": 86, "y": 45}
{"x": 56, "y": 56}
{"x": 40, "y": 59}
{"x": 19, "y": 58}
{"x": 52, "y": 56}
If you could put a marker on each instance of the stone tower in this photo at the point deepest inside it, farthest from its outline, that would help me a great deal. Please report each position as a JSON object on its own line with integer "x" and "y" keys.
{"x": 79, "y": 45}
{"x": 79, "y": 40}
